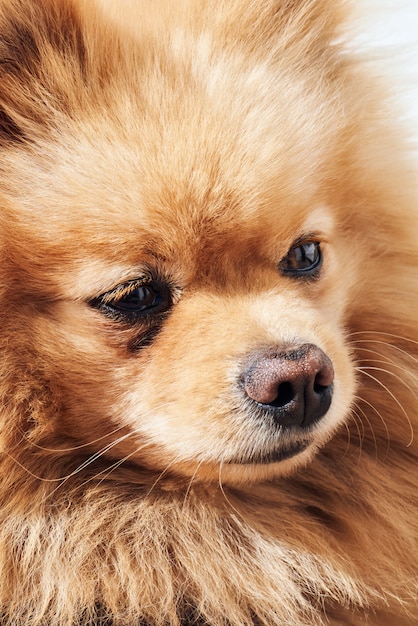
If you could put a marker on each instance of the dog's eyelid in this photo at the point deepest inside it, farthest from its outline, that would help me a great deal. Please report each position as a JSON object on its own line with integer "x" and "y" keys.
{"x": 122, "y": 290}
{"x": 124, "y": 286}
{"x": 308, "y": 237}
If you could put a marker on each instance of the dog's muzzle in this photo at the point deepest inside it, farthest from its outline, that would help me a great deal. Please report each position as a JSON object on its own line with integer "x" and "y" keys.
{"x": 292, "y": 386}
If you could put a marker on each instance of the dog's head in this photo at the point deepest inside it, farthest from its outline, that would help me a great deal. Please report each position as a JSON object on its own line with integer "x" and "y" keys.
{"x": 182, "y": 209}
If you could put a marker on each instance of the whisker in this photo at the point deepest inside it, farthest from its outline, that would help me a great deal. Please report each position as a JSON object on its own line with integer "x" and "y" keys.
{"x": 114, "y": 466}
{"x": 386, "y": 371}
{"x": 349, "y": 434}
{"x": 186, "y": 495}
{"x": 383, "y": 358}
{"x": 28, "y": 471}
{"x": 227, "y": 500}
{"x": 362, "y": 431}
{"x": 71, "y": 448}
{"x": 392, "y": 395}
{"x": 63, "y": 479}
{"x": 389, "y": 345}
{"x": 91, "y": 459}
{"x": 372, "y": 364}
{"x": 362, "y": 416}
{"x": 378, "y": 413}
{"x": 385, "y": 334}
{"x": 161, "y": 475}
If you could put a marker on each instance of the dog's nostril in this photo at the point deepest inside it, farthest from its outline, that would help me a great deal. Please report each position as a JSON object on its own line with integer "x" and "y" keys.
{"x": 295, "y": 385}
{"x": 264, "y": 387}
{"x": 284, "y": 395}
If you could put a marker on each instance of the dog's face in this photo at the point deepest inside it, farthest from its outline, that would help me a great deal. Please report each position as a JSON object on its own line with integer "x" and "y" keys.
{"x": 178, "y": 270}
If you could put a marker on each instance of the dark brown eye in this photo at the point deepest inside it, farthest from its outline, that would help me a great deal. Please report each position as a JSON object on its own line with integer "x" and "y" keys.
{"x": 134, "y": 300}
{"x": 303, "y": 260}
{"x": 142, "y": 298}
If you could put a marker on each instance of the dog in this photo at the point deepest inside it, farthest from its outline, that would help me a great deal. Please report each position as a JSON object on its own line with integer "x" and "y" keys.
{"x": 209, "y": 326}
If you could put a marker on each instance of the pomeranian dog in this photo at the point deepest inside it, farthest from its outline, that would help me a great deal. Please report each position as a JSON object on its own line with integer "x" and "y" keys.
{"x": 209, "y": 323}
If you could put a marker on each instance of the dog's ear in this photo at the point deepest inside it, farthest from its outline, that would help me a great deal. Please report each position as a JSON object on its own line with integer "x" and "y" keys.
{"x": 43, "y": 60}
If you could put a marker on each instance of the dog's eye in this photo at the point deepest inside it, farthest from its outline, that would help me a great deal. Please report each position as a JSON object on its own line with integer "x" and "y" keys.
{"x": 302, "y": 260}
{"x": 142, "y": 298}
{"x": 134, "y": 300}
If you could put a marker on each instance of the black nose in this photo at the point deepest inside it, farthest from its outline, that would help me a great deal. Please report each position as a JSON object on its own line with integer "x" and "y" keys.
{"x": 293, "y": 385}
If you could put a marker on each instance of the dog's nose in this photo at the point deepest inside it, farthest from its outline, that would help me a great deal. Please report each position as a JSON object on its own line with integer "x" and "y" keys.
{"x": 293, "y": 385}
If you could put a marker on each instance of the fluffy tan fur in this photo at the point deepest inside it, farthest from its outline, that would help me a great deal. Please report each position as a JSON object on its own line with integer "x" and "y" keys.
{"x": 199, "y": 139}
